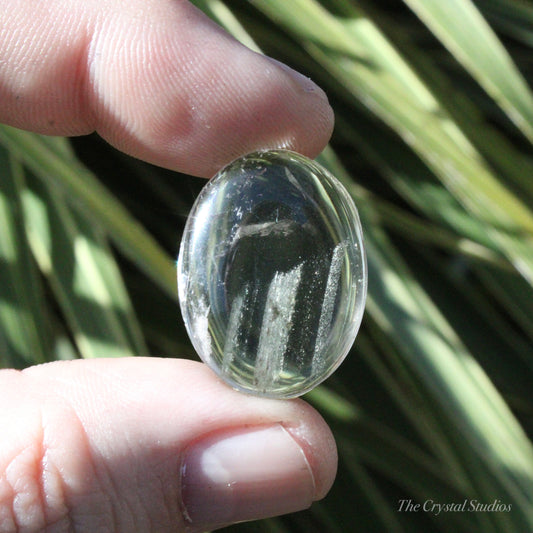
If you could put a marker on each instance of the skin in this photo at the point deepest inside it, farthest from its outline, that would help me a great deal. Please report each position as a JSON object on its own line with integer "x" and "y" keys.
{"x": 100, "y": 445}
{"x": 156, "y": 79}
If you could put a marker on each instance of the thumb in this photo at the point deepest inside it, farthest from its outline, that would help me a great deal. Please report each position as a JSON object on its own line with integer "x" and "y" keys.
{"x": 147, "y": 444}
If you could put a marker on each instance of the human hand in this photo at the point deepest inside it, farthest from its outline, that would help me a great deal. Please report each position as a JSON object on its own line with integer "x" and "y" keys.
{"x": 151, "y": 444}
{"x": 155, "y": 78}
{"x": 146, "y": 444}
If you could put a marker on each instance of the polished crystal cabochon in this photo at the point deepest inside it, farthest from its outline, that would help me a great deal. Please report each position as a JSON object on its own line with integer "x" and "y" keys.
{"x": 272, "y": 274}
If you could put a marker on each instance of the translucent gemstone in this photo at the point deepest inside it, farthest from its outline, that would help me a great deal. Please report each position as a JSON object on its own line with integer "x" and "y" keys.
{"x": 272, "y": 274}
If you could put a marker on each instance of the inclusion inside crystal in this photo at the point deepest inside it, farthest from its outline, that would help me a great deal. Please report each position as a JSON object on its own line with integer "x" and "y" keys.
{"x": 272, "y": 274}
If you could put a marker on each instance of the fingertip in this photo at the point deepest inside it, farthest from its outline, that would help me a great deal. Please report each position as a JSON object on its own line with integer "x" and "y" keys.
{"x": 251, "y": 473}
{"x": 316, "y": 114}
{"x": 234, "y": 102}
{"x": 169, "y": 87}
{"x": 269, "y": 106}
{"x": 318, "y": 444}
{"x": 224, "y": 456}
{"x": 190, "y": 97}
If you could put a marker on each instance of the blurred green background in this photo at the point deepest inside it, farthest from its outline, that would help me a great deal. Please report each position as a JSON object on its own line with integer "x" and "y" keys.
{"x": 433, "y": 138}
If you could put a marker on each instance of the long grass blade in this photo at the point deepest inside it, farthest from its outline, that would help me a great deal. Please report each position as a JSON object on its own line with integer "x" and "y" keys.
{"x": 24, "y": 326}
{"x": 98, "y": 204}
{"x": 511, "y": 17}
{"x": 455, "y": 22}
{"x": 80, "y": 270}
{"x": 457, "y": 383}
{"x": 358, "y": 55}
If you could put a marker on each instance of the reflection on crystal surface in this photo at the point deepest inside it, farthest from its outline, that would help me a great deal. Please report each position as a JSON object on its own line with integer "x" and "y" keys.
{"x": 272, "y": 274}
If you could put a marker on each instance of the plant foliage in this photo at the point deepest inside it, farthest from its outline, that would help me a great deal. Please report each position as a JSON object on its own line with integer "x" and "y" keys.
{"x": 434, "y": 141}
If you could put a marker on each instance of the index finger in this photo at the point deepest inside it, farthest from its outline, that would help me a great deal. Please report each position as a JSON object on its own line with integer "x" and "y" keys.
{"x": 157, "y": 79}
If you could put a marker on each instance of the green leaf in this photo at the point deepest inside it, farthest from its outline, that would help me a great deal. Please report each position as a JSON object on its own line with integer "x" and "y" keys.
{"x": 25, "y": 333}
{"x": 481, "y": 428}
{"x": 360, "y": 57}
{"x": 81, "y": 187}
{"x": 81, "y": 270}
{"x": 511, "y": 17}
{"x": 467, "y": 35}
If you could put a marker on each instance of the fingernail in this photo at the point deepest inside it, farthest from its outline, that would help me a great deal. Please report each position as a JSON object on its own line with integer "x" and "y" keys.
{"x": 305, "y": 83}
{"x": 244, "y": 475}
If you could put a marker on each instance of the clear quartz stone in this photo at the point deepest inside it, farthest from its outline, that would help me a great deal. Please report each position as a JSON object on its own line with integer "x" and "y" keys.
{"x": 272, "y": 274}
